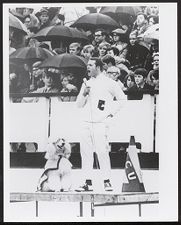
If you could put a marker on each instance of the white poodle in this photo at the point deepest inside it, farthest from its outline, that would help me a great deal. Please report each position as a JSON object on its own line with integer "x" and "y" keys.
{"x": 57, "y": 173}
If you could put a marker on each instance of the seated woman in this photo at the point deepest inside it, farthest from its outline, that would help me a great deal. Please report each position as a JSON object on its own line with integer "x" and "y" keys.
{"x": 129, "y": 81}
{"x": 68, "y": 87}
{"x": 57, "y": 173}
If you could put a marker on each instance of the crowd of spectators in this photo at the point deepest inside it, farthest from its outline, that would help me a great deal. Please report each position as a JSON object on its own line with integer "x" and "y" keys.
{"x": 128, "y": 59}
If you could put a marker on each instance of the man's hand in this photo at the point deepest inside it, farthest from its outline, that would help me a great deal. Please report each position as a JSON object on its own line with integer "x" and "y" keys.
{"x": 86, "y": 91}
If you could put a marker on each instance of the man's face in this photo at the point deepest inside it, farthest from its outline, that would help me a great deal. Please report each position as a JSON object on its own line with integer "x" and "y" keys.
{"x": 113, "y": 73}
{"x": 73, "y": 50}
{"x": 139, "y": 79}
{"x": 44, "y": 18}
{"x": 140, "y": 20}
{"x": 115, "y": 37}
{"x": 98, "y": 37}
{"x": 91, "y": 68}
{"x": 48, "y": 80}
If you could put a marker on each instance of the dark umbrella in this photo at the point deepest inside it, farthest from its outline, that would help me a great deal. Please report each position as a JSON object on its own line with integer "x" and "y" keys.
{"x": 95, "y": 20}
{"x": 64, "y": 61}
{"x": 123, "y": 14}
{"x": 16, "y": 24}
{"x": 30, "y": 54}
{"x": 60, "y": 32}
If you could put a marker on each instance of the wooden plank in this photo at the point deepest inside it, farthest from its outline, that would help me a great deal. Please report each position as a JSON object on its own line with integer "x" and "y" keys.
{"x": 123, "y": 198}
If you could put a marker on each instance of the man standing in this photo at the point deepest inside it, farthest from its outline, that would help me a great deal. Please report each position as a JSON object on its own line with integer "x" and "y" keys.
{"x": 96, "y": 100}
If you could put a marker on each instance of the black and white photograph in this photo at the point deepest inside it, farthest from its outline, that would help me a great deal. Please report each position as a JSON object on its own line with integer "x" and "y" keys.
{"x": 90, "y": 112}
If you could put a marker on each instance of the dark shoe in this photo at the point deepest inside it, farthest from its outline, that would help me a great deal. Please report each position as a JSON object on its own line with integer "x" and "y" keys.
{"x": 86, "y": 187}
{"x": 107, "y": 185}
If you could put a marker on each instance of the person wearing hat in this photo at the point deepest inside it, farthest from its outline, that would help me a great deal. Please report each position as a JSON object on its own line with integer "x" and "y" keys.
{"x": 136, "y": 92}
{"x": 120, "y": 41}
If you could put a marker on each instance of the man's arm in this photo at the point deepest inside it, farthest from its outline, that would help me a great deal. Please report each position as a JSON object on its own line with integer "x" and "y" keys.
{"x": 83, "y": 96}
{"x": 121, "y": 99}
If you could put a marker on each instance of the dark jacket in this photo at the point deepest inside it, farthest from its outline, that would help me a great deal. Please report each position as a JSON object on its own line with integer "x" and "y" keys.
{"x": 136, "y": 93}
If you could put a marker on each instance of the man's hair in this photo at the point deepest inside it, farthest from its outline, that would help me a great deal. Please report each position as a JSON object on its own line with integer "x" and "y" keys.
{"x": 103, "y": 32}
{"x": 75, "y": 44}
{"x": 141, "y": 71}
{"x": 98, "y": 62}
{"x": 114, "y": 49}
{"x": 108, "y": 59}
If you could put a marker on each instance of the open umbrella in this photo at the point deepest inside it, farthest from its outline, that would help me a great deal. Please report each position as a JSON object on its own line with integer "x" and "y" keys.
{"x": 30, "y": 54}
{"x": 64, "y": 61}
{"x": 123, "y": 14}
{"x": 95, "y": 20}
{"x": 16, "y": 24}
{"x": 151, "y": 33}
{"x": 60, "y": 32}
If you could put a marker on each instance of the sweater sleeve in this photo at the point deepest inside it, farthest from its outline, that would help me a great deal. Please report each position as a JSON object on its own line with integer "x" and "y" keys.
{"x": 121, "y": 98}
{"x": 81, "y": 99}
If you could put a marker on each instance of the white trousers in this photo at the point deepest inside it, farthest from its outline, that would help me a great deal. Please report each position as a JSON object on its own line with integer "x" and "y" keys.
{"x": 94, "y": 139}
